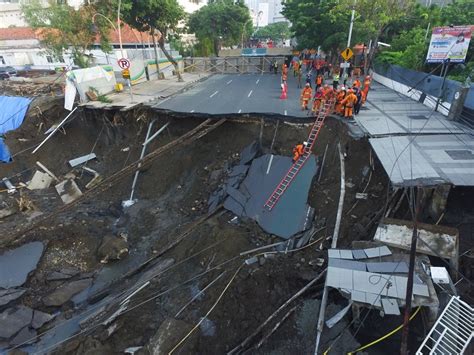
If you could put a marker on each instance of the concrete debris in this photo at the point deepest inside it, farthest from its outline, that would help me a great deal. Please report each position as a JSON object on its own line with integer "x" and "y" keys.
{"x": 14, "y": 319}
{"x": 26, "y": 335}
{"x": 251, "y": 260}
{"x": 82, "y": 159}
{"x": 16, "y": 264}
{"x": 7, "y": 212}
{"x": 47, "y": 171}
{"x": 361, "y": 196}
{"x": 249, "y": 153}
{"x": 64, "y": 293}
{"x": 170, "y": 332}
{"x": 331, "y": 322}
{"x": 440, "y": 275}
{"x": 39, "y": 181}
{"x": 113, "y": 248}
{"x": 390, "y": 306}
{"x": 11, "y": 294}
{"x": 68, "y": 190}
{"x": 95, "y": 180}
{"x": 10, "y": 188}
{"x": 63, "y": 274}
{"x": 40, "y": 318}
{"x": 132, "y": 350}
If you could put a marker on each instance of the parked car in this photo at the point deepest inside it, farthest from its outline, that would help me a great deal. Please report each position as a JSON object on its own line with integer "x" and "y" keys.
{"x": 7, "y": 72}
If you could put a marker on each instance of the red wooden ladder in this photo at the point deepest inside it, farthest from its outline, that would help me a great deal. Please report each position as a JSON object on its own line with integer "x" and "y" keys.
{"x": 321, "y": 115}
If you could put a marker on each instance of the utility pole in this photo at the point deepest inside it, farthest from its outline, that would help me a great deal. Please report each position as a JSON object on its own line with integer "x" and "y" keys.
{"x": 411, "y": 269}
{"x": 349, "y": 37}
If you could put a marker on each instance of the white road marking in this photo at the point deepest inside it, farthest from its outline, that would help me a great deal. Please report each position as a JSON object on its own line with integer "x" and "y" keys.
{"x": 229, "y": 81}
{"x": 250, "y": 93}
{"x": 285, "y": 113}
{"x": 240, "y": 111}
{"x": 214, "y": 94}
{"x": 269, "y": 164}
{"x": 257, "y": 81}
{"x": 191, "y": 111}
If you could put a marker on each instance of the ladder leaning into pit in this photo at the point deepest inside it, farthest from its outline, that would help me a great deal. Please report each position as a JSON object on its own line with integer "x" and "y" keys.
{"x": 320, "y": 115}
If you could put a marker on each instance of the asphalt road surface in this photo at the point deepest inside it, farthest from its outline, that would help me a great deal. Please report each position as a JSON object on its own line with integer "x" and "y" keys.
{"x": 234, "y": 93}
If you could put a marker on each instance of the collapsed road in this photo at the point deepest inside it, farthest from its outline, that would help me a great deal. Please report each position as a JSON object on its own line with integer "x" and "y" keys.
{"x": 194, "y": 263}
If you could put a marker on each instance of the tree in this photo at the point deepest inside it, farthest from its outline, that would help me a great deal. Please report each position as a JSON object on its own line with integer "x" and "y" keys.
{"x": 63, "y": 29}
{"x": 160, "y": 16}
{"x": 224, "y": 22}
{"x": 278, "y": 31}
{"x": 374, "y": 16}
{"x": 315, "y": 25}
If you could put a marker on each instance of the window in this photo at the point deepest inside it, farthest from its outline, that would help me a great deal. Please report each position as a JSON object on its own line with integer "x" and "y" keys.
{"x": 49, "y": 59}
{"x": 2, "y": 60}
{"x": 61, "y": 59}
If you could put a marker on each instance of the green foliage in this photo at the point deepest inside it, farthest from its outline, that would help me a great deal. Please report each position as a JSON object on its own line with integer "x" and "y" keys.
{"x": 223, "y": 22}
{"x": 462, "y": 72}
{"x": 64, "y": 29}
{"x": 278, "y": 31}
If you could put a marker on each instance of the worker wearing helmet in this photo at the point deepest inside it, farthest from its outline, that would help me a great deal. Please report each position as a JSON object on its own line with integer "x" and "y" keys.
{"x": 339, "y": 107}
{"x": 366, "y": 88}
{"x": 318, "y": 97}
{"x": 349, "y": 102}
{"x": 298, "y": 151}
{"x": 305, "y": 97}
{"x": 356, "y": 83}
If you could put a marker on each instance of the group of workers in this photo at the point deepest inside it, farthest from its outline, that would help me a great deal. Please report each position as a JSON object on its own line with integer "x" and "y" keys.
{"x": 348, "y": 100}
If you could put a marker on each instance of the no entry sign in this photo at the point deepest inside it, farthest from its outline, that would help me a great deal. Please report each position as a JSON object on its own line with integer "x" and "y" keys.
{"x": 123, "y": 63}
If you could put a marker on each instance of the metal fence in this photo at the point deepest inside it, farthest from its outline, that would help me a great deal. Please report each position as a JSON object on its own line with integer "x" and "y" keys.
{"x": 232, "y": 65}
{"x": 452, "y": 332}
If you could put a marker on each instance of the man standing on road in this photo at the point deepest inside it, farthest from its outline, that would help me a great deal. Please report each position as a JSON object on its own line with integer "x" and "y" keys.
{"x": 300, "y": 74}
{"x": 305, "y": 97}
{"x": 349, "y": 103}
{"x": 358, "y": 104}
{"x": 308, "y": 78}
{"x": 335, "y": 80}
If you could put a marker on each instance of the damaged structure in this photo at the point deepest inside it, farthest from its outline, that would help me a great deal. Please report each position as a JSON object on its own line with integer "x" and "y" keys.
{"x": 144, "y": 229}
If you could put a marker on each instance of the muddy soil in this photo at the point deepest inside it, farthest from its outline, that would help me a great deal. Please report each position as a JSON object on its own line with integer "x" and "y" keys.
{"x": 172, "y": 193}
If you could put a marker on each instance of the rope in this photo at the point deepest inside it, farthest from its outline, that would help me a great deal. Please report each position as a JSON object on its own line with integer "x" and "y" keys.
{"x": 379, "y": 339}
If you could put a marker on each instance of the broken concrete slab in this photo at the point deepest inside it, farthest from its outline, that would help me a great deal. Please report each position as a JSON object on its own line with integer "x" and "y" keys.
{"x": 68, "y": 191}
{"x": 170, "y": 332}
{"x": 63, "y": 274}
{"x": 291, "y": 214}
{"x": 249, "y": 153}
{"x": 16, "y": 264}
{"x": 7, "y": 212}
{"x": 82, "y": 159}
{"x": 39, "y": 181}
{"x": 40, "y": 318}
{"x": 64, "y": 293}
{"x": 24, "y": 336}
{"x": 13, "y": 320}
{"x": 11, "y": 294}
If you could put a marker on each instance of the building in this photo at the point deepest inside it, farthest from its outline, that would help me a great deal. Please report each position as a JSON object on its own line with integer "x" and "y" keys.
{"x": 264, "y": 12}
{"x": 21, "y": 47}
{"x": 11, "y": 15}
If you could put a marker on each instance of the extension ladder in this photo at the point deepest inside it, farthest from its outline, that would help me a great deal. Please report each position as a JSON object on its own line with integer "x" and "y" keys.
{"x": 321, "y": 115}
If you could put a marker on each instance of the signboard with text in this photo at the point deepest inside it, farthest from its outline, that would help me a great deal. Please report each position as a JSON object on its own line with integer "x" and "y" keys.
{"x": 449, "y": 43}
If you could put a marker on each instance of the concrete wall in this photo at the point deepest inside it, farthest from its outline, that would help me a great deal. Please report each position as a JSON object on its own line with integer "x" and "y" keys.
{"x": 102, "y": 80}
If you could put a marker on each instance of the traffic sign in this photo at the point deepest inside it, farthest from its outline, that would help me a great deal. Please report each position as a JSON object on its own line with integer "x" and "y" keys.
{"x": 347, "y": 54}
{"x": 123, "y": 63}
{"x": 126, "y": 74}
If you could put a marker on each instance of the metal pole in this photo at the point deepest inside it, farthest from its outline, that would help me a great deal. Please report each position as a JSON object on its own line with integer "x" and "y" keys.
{"x": 349, "y": 37}
{"x": 129, "y": 81}
{"x": 411, "y": 269}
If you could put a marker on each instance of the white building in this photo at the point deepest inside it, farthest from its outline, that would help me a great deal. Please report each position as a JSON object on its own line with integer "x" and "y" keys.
{"x": 264, "y": 12}
{"x": 11, "y": 15}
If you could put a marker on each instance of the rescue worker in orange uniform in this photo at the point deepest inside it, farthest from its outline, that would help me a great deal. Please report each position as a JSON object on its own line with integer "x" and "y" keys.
{"x": 298, "y": 151}
{"x": 319, "y": 81}
{"x": 296, "y": 67}
{"x": 349, "y": 101}
{"x": 306, "y": 95}
{"x": 318, "y": 98}
{"x": 356, "y": 83}
{"x": 366, "y": 88}
{"x": 339, "y": 107}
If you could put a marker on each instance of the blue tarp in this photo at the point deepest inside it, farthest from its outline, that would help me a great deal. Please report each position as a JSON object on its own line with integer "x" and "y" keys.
{"x": 4, "y": 152}
{"x": 12, "y": 113}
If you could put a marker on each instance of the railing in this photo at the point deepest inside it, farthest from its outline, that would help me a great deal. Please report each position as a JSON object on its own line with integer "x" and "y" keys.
{"x": 232, "y": 65}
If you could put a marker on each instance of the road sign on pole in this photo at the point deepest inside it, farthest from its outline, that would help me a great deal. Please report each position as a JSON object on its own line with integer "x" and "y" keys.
{"x": 347, "y": 54}
{"x": 123, "y": 63}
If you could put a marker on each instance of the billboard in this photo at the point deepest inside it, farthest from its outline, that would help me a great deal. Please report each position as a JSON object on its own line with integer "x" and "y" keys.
{"x": 449, "y": 42}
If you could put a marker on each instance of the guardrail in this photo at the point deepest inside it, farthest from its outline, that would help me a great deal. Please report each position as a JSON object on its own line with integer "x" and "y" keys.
{"x": 232, "y": 65}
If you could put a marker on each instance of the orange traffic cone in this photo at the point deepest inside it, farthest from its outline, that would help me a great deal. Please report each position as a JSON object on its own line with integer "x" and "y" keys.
{"x": 283, "y": 95}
